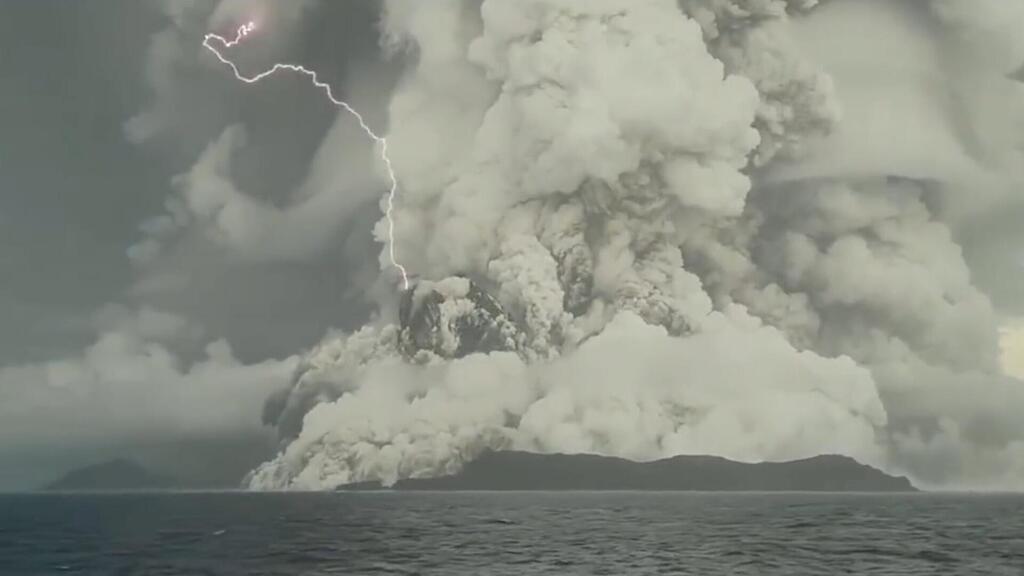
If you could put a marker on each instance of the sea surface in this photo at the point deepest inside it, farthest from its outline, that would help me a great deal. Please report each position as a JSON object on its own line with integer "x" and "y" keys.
{"x": 521, "y": 534}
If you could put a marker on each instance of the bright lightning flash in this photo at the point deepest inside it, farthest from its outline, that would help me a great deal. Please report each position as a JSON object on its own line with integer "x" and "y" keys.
{"x": 210, "y": 41}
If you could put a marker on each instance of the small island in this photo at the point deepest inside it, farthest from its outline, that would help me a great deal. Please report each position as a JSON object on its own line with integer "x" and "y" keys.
{"x": 120, "y": 475}
{"x": 552, "y": 472}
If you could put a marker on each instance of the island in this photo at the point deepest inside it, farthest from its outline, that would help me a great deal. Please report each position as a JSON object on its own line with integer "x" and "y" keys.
{"x": 508, "y": 471}
{"x": 119, "y": 475}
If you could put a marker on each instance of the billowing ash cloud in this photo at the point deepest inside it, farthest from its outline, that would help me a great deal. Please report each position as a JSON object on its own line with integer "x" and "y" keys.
{"x": 654, "y": 227}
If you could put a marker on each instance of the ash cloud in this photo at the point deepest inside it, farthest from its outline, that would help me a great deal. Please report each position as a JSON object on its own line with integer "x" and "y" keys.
{"x": 274, "y": 192}
{"x": 726, "y": 227}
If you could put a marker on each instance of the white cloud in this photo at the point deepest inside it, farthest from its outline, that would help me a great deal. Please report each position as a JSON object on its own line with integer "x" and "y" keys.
{"x": 1012, "y": 344}
{"x": 130, "y": 388}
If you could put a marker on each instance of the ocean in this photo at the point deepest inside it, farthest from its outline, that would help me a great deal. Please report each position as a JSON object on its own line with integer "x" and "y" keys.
{"x": 520, "y": 534}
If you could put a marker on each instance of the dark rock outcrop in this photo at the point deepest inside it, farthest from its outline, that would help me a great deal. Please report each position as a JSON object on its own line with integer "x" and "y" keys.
{"x": 453, "y": 319}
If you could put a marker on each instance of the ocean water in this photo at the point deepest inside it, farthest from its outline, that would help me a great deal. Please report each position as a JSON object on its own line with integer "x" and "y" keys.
{"x": 519, "y": 534}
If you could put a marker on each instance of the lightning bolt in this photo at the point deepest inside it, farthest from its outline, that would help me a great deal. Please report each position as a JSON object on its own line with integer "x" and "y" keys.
{"x": 210, "y": 41}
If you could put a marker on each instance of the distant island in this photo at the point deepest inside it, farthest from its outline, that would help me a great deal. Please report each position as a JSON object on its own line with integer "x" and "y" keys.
{"x": 118, "y": 475}
{"x": 506, "y": 471}
{"x": 527, "y": 471}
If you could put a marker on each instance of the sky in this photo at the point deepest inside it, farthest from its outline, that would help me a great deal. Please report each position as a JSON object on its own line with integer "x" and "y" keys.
{"x": 176, "y": 247}
{"x": 76, "y": 191}
{"x": 65, "y": 163}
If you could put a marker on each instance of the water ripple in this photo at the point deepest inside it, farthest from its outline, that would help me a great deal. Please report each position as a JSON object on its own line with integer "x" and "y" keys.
{"x": 521, "y": 534}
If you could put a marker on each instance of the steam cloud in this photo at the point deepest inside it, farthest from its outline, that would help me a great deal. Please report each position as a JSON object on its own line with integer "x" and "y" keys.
{"x": 718, "y": 226}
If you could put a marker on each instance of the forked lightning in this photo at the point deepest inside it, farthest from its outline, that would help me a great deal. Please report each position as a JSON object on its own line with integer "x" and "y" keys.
{"x": 210, "y": 41}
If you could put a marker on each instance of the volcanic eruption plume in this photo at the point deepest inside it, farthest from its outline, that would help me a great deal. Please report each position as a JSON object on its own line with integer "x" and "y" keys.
{"x": 646, "y": 228}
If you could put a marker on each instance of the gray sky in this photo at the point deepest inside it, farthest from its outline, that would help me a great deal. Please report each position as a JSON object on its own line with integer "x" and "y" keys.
{"x": 72, "y": 189}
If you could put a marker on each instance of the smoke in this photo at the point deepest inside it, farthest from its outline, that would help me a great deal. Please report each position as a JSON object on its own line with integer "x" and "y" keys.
{"x": 725, "y": 227}
{"x": 949, "y": 116}
{"x": 209, "y": 198}
{"x": 274, "y": 192}
{"x": 733, "y": 227}
{"x": 622, "y": 392}
{"x": 182, "y": 109}
{"x": 136, "y": 384}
